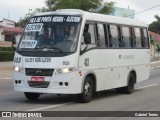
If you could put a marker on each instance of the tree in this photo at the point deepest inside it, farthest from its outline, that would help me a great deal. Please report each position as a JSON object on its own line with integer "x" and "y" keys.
{"x": 22, "y": 22}
{"x": 50, "y": 3}
{"x": 152, "y": 45}
{"x": 152, "y": 41}
{"x": 155, "y": 25}
{"x": 88, "y": 5}
{"x": 158, "y": 50}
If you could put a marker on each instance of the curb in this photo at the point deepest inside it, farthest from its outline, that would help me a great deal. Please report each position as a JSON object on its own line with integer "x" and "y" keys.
{"x": 5, "y": 78}
{"x": 156, "y": 67}
{"x": 154, "y": 62}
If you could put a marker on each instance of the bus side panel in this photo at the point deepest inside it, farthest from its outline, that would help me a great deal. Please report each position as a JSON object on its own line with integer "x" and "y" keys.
{"x": 113, "y": 66}
{"x": 99, "y": 62}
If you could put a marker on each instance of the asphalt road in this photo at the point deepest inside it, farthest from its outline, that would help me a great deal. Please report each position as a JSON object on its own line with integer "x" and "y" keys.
{"x": 146, "y": 97}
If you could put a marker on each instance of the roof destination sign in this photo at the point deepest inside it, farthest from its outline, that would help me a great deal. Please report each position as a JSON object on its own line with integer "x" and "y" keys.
{"x": 55, "y": 18}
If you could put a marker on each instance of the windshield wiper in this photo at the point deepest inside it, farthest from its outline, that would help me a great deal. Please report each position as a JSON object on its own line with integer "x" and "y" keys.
{"x": 53, "y": 48}
{"x": 58, "y": 50}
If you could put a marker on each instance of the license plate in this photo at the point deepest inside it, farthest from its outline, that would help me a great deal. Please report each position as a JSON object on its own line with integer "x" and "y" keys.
{"x": 37, "y": 79}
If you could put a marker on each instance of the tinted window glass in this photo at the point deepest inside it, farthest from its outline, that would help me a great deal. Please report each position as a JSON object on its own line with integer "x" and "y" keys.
{"x": 131, "y": 37}
{"x": 89, "y": 28}
{"x": 120, "y": 36}
{"x": 145, "y": 38}
{"x": 137, "y": 42}
{"x": 126, "y": 35}
{"x": 113, "y": 36}
{"x": 101, "y": 35}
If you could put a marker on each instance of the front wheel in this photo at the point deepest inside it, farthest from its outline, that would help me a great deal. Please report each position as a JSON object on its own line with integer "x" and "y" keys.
{"x": 32, "y": 96}
{"x": 87, "y": 93}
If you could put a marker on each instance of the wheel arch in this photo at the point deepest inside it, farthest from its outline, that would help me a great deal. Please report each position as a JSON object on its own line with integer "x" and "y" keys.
{"x": 92, "y": 75}
{"x": 132, "y": 71}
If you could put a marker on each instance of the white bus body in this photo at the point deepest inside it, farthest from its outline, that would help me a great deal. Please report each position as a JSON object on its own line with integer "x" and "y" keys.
{"x": 43, "y": 70}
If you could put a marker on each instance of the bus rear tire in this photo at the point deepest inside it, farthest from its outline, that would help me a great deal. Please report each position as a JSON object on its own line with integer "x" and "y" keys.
{"x": 32, "y": 96}
{"x": 130, "y": 87}
{"x": 87, "y": 93}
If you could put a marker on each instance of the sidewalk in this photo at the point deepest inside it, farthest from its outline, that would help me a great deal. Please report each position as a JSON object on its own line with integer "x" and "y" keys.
{"x": 6, "y": 68}
{"x": 155, "y": 65}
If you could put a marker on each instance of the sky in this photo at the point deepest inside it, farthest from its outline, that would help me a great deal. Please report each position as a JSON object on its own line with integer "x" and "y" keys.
{"x": 140, "y": 5}
{"x": 15, "y": 9}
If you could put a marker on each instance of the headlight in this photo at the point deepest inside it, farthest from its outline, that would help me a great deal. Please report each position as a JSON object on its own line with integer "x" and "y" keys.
{"x": 18, "y": 69}
{"x": 65, "y": 70}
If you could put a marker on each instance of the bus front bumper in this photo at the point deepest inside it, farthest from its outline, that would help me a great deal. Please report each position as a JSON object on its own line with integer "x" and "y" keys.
{"x": 70, "y": 83}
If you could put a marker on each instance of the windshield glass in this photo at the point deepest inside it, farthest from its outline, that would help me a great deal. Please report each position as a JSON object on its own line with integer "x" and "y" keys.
{"x": 51, "y": 33}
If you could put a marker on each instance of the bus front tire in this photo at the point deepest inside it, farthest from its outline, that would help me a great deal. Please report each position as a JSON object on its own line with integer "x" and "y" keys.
{"x": 87, "y": 93}
{"x": 31, "y": 96}
{"x": 130, "y": 87}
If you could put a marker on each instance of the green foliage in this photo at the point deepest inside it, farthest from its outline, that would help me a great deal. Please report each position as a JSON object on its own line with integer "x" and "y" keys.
{"x": 6, "y": 49}
{"x": 6, "y": 54}
{"x": 155, "y": 25}
{"x": 88, "y": 5}
{"x": 157, "y": 48}
{"x": 22, "y": 22}
{"x": 152, "y": 40}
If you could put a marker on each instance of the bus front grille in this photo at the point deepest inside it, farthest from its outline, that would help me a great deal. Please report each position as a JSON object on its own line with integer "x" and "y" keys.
{"x": 39, "y": 72}
{"x": 33, "y": 84}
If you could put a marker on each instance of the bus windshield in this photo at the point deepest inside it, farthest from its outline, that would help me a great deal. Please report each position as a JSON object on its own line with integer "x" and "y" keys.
{"x": 51, "y": 33}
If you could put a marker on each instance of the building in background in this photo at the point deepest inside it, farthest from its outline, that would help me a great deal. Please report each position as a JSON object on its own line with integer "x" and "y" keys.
{"x": 123, "y": 12}
{"x": 154, "y": 41}
{"x": 8, "y": 30}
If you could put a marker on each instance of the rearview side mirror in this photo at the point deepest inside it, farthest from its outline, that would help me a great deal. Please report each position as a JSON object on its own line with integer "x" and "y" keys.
{"x": 13, "y": 43}
{"x": 87, "y": 38}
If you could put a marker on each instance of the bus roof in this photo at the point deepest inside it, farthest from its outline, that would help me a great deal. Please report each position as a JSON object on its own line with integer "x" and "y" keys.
{"x": 96, "y": 17}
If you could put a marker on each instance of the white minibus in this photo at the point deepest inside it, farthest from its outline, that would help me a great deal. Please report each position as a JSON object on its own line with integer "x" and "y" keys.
{"x": 71, "y": 51}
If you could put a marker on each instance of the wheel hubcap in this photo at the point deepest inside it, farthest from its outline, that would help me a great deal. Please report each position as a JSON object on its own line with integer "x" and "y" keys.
{"x": 87, "y": 89}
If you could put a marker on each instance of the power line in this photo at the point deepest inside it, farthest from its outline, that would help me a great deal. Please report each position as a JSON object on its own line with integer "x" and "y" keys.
{"x": 144, "y": 10}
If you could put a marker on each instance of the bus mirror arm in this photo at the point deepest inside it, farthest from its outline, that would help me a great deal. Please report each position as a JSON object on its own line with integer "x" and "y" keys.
{"x": 83, "y": 49}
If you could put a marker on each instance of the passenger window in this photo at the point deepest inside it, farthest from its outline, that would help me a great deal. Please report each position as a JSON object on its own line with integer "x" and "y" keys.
{"x": 137, "y": 38}
{"x": 113, "y": 36}
{"x": 106, "y": 34}
{"x": 100, "y": 35}
{"x": 145, "y": 38}
{"x": 89, "y": 28}
{"x": 131, "y": 37}
{"x": 126, "y": 37}
{"x": 120, "y": 36}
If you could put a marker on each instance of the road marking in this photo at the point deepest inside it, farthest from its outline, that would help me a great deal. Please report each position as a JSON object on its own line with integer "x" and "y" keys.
{"x": 146, "y": 86}
{"x": 48, "y": 107}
